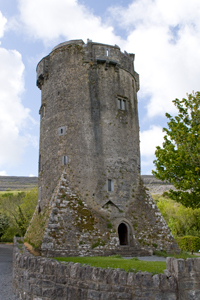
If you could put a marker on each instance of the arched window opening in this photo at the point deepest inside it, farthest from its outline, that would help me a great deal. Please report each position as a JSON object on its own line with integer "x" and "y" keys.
{"x": 123, "y": 234}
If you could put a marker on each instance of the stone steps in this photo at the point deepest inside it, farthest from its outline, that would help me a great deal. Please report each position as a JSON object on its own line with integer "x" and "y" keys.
{"x": 131, "y": 251}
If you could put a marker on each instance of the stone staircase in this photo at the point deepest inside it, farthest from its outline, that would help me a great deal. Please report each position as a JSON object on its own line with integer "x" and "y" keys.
{"x": 128, "y": 251}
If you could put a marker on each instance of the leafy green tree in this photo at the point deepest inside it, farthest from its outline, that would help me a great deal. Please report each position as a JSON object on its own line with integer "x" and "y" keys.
{"x": 21, "y": 221}
{"x": 178, "y": 161}
{"x": 4, "y": 224}
{"x": 19, "y": 209}
{"x": 181, "y": 220}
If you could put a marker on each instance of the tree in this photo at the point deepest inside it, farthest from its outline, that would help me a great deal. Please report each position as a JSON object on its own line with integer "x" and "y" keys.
{"x": 178, "y": 161}
{"x": 4, "y": 224}
{"x": 19, "y": 209}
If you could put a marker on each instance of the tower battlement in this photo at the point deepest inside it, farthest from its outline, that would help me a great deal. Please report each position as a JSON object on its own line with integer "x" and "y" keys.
{"x": 97, "y": 53}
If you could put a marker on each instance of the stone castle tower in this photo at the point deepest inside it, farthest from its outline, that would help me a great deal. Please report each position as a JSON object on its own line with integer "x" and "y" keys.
{"x": 89, "y": 160}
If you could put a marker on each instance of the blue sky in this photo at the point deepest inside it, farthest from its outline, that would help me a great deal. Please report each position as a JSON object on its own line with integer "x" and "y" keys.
{"x": 163, "y": 34}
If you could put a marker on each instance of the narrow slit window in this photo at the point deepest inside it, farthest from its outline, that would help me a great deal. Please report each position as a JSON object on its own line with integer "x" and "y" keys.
{"x": 39, "y": 194}
{"x": 40, "y": 163}
{"x": 61, "y": 130}
{"x": 110, "y": 185}
{"x": 65, "y": 160}
{"x": 107, "y": 52}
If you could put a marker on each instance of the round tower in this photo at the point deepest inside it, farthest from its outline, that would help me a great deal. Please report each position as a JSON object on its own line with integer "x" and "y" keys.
{"x": 91, "y": 197}
{"x": 89, "y": 122}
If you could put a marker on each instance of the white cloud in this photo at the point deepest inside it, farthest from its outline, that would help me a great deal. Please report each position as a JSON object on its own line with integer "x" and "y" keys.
{"x": 50, "y": 19}
{"x": 165, "y": 36}
{"x": 3, "y": 173}
{"x": 150, "y": 139}
{"x": 31, "y": 175}
{"x": 13, "y": 115}
{"x": 3, "y": 22}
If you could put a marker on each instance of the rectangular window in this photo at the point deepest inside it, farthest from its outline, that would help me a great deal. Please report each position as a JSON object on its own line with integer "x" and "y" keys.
{"x": 124, "y": 105}
{"x": 121, "y": 104}
{"x": 110, "y": 185}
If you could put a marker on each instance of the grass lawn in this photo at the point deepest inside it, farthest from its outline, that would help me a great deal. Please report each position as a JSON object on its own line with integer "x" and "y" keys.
{"x": 115, "y": 262}
{"x": 14, "y": 192}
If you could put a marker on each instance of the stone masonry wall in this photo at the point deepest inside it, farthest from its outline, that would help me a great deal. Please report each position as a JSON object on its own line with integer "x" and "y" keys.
{"x": 75, "y": 229}
{"x": 39, "y": 278}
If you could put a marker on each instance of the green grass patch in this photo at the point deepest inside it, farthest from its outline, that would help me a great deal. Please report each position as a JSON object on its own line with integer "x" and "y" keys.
{"x": 13, "y": 192}
{"x": 182, "y": 254}
{"x": 114, "y": 262}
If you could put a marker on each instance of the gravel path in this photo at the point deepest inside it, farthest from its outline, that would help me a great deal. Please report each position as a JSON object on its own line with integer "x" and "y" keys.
{"x": 6, "y": 256}
{"x": 152, "y": 258}
{"x": 149, "y": 258}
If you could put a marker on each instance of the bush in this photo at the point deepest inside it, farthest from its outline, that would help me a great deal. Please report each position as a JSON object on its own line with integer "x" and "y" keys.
{"x": 189, "y": 243}
{"x": 9, "y": 234}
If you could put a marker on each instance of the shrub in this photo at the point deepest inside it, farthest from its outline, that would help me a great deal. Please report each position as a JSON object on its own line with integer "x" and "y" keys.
{"x": 10, "y": 233}
{"x": 189, "y": 243}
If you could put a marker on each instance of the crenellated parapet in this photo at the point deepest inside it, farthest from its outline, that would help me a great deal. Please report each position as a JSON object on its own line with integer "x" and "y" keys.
{"x": 93, "y": 52}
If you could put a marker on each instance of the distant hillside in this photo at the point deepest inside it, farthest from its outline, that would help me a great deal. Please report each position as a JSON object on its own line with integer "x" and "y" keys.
{"x": 17, "y": 182}
{"x": 154, "y": 185}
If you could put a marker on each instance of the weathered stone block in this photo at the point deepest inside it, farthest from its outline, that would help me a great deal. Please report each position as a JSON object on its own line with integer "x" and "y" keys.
{"x": 169, "y": 264}
{"x": 192, "y": 295}
{"x": 123, "y": 277}
{"x": 147, "y": 281}
{"x": 165, "y": 296}
{"x": 94, "y": 295}
{"x": 75, "y": 270}
{"x": 179, "y": 265}
{"x": 36, "y": 290}
{"x": 130, "y": 278}
{"x": 73, "y": 293}
{"x": 196, "y": 264}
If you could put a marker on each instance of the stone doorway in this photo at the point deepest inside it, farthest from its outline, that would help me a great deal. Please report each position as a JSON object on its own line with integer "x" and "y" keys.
{"x": 123, "y": 234}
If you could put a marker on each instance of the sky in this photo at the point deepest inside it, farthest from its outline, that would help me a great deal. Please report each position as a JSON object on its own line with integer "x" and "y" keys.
{"x": 163, "y": 34}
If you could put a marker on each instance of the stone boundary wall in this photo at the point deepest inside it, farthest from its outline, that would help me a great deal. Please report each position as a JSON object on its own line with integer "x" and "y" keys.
{"x": 39, "y": 278}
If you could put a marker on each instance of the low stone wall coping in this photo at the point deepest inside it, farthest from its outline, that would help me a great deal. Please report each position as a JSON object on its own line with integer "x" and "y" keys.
{"x": 40, "y": 278}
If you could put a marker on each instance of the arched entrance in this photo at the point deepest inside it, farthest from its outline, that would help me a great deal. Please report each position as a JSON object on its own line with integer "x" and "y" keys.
{"x": 123, "y": 234}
